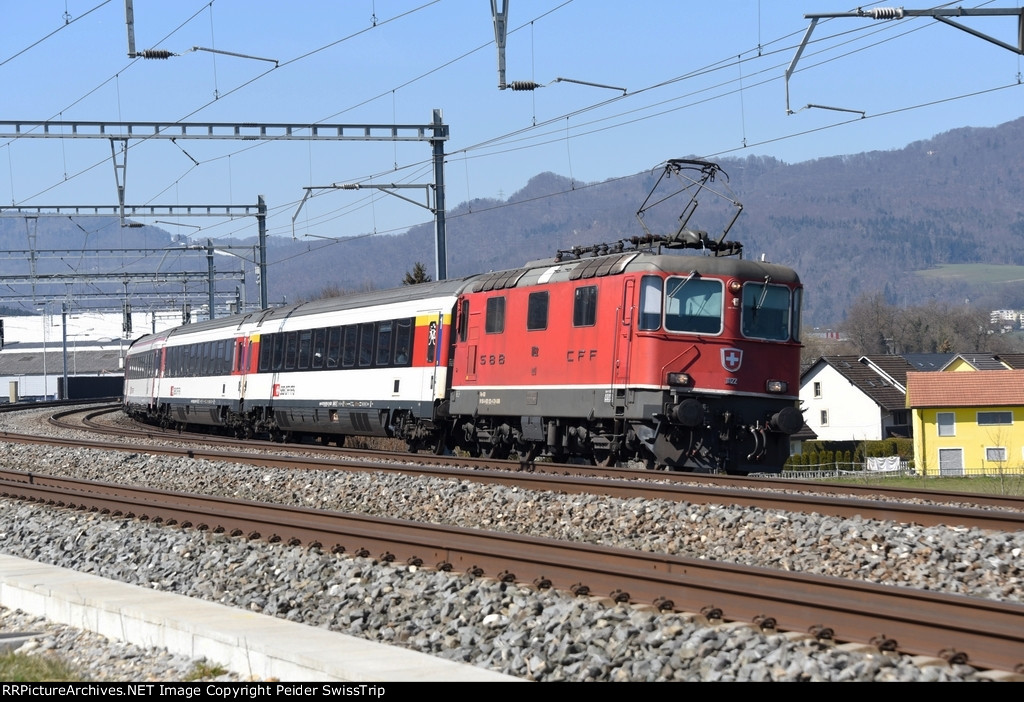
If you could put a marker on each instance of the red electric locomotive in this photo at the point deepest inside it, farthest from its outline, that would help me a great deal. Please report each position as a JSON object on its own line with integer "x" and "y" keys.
{"x": 622, "y": 356}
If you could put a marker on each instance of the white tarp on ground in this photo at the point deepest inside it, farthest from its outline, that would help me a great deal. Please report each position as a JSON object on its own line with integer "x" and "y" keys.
{"x": 888, "y": 464}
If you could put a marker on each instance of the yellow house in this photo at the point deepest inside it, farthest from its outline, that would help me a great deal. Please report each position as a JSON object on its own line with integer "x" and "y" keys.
{"x": 967, "y": 423}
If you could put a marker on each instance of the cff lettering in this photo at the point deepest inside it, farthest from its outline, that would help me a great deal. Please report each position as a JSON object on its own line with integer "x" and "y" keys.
{"x": 580, "y": 355}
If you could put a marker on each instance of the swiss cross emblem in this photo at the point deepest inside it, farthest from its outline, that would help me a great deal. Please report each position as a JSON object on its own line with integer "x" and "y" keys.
{"x": 731, "y": 359}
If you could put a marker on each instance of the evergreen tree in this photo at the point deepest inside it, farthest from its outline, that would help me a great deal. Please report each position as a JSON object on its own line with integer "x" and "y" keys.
{"x": 417, "y": 275}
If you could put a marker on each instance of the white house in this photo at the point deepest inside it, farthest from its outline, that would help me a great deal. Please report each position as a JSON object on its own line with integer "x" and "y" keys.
{"x": 858, "y": 398}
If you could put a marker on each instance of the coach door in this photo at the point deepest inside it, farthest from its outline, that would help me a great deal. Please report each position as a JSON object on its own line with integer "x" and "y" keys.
{"x": 430, "y": 329}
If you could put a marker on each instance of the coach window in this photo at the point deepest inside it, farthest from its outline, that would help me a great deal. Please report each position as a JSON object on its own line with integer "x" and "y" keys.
{"x": 650, "y": 303}
{"x": 693, "y": 305}
{"x": 227, "y": 355}
{"x": 266, "y": 346}
{"x": 291, "y": 349}
{"x": 495, "y": 323}
{"x": 278, "y": 356}
{"x": 305, "y": 344}
{"x": 319, "y": 341}
{"x": 403, "y": 341}
{"x": 366, "y": 344}
{"x": 351, "y": 346}
{"x": 537, "y": 311}
{"x": 334, "y": 335}
{"x": 766, "y": 311}
{"x": 584, "y": 308}
{"x": 204, "y": 359}
{"x": 384, "y": 334}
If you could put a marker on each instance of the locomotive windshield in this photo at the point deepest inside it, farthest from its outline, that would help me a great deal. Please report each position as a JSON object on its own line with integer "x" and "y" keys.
{"x": 693, "y": 305}
{"x": 766, "y": 312}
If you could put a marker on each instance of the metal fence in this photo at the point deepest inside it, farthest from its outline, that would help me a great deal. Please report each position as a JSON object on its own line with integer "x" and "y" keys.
{"x": 901, "y": 469}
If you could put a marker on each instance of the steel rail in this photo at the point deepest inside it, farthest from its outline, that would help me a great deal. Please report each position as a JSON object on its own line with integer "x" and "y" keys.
{"x": 982, "y": 633}
{"x": 846, "y": 507}
{"x": 844, "y": 490}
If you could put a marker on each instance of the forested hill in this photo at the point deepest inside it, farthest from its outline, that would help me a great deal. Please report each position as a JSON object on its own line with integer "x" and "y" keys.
{"x": 850, "y": 225}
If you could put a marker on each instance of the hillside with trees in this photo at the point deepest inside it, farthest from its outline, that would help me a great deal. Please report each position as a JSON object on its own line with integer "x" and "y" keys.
{"x": 854, "y": 227}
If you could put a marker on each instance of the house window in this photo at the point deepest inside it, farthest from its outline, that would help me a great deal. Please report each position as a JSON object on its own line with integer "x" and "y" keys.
{"x": 817, "y": 389}
{"x": 824, "y": 418}
{"x": 947, "y": 423}
{"x": 995, "y": 454}
{"x": 951, "y": 462}
{"x": 989, "y": 418}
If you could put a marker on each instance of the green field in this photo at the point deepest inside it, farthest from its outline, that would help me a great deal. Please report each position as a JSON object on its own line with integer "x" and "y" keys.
{"x": 975, "y": 273}
{"x": 987, "y": 485}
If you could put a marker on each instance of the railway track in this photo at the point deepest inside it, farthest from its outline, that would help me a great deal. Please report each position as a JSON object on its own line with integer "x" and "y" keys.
{"x": 957, "y": 629}
{"x": 1000, "y": 513}
{"x": 899, "y": 619}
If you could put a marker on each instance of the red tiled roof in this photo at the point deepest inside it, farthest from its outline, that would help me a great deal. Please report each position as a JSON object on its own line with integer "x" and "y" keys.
{"x": 972, "y": 389}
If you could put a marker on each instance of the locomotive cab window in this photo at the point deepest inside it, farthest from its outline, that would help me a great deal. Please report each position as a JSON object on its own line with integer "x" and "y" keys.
{"x": 650, "y": 303}
{"x": 495, "y": 323}
{"x": 584, "y": 307}
{"x": 537, "y": 311}
{"x": 693, "y": 305}
{"x": 766, "y": 310}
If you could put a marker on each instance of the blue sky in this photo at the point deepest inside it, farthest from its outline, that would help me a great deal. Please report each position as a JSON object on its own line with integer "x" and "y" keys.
{"x": 687, "y": 79}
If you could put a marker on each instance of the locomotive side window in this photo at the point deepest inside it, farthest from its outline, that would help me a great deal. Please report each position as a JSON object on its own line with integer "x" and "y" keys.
{"x": 795, "y": 315}
{"x": 766, "y": 311}
{"x": 463, "y": 320}
{"x": 650, "y": 303}
{"x": 537, "y": 311}
{"x": 693, "y": 305}
{"x": 584, "y": 307}
{"x": 495, "y": 323}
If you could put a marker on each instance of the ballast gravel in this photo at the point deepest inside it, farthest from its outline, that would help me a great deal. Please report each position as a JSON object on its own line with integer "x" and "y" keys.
{"x": 535, "y": 635}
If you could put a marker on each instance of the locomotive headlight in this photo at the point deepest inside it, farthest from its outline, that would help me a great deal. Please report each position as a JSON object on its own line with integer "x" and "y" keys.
{"x": 776, "y": 386}
{"x": 735, "y": 286}
{"x": 680, "y": 380}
